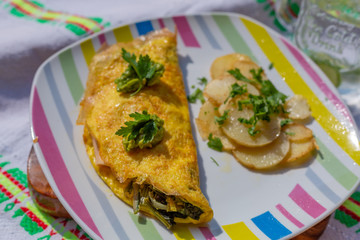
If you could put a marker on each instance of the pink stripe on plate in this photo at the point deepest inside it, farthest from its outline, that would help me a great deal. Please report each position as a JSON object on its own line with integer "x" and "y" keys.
{"x": 161, "y": 23}
{"x": 318, "y": 81}
{"x": 207, "y": 233}
{"x": 102, "y": 38}
{"x": 56, "y": 164}
{"x": 186, "y": 32}
{"x": 290, "y": 217}
{"x": 306, "y": 202}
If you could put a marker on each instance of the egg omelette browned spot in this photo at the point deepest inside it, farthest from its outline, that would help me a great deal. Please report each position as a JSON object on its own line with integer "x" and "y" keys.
{"x": 169, "y": 170}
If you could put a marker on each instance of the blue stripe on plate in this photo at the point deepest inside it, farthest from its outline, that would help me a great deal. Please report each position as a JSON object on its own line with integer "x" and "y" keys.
{"x": 144, "y": 27}
{"x": 270, "y": 226}
{"x": 108, "y": 210}
{"x": 58, "y": 101}
{"x": 207, "y": 32}
{"x": 322, "y": 186}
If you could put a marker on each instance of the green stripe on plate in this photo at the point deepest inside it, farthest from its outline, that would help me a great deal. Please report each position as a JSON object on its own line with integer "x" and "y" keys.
{"x": 232, "y": 35}
{"x": 145, "y": 227}
{"x": 335, "y": 167}
{"x": 71, "y": 75}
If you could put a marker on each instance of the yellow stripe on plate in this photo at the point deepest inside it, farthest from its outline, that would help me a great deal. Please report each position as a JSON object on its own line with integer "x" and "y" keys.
{"x": 123, "y": 34}
{"x": 339, "y": 133}
{"x": 182, "y": 233}
{"x": 88, "y": 50}
{"x": 239, "y": 231}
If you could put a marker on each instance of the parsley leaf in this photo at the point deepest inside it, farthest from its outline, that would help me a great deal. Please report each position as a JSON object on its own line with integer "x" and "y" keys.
{"x": 215, "y": 143}
{"x": 203, "y": 81}
{"x": 198, "y": 94}
{"x": 285, "y": 122}
{"x": 220, "y": 120}
{"x": 146, "y": 131}
{"x": 143, "y": 72}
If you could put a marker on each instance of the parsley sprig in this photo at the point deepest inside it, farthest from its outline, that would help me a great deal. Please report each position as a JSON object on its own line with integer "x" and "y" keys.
{"x": 146, "y": 131}
{"x": 270, "y": 102}
{"x": 140, "y": 73}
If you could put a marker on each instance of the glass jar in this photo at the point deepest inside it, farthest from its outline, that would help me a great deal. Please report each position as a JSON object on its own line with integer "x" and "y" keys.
{"x": 329, "y": 32}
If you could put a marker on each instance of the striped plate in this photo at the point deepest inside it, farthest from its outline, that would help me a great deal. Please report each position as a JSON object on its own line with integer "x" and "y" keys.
{"x": 247, "y": 204}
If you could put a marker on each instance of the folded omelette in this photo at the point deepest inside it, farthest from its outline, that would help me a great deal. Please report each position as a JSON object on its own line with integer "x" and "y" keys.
{"x": 162, "y": 181}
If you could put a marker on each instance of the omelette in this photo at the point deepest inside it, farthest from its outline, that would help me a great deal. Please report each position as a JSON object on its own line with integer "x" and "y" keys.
{"x": 160, "y": 180}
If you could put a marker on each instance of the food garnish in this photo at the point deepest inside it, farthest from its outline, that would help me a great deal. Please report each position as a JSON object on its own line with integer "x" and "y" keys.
{"x": 285, "y": 122}
{"x": 138, "y": 74}
{"x": 217, "y": 164}
{"x": 146, "y": 131}
{"x": 203, "y": 81}
{"x": 220, "y": 120}
{"x": 196, "y": 95}
{"x": 215, "y": 143}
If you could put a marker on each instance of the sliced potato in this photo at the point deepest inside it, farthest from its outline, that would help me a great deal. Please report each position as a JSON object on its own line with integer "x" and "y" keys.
{"x": 222, "y": 64}
{"x": 300, "y": 152}
{"x": 298, "y": 107}
{"x": 206, "y": 125}
{"x": 245, "y": 67}
{"x": 264, "y": 157}
{"x": 218, "y": 90}
{"x": 238, "y": 132}
{"x": 297, "y": 132}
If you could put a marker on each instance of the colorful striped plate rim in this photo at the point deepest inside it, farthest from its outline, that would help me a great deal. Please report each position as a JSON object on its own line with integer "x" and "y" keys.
{"x": 247, "y": 204}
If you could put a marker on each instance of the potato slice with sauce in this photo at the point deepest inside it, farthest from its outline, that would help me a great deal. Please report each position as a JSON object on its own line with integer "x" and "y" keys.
{"x": 297, "y": 132}
{"x": 206, "y": 125}
{"x": 218, "y": 90}
{"x": 238, "y": 132}
{"x": 263, "y": 157}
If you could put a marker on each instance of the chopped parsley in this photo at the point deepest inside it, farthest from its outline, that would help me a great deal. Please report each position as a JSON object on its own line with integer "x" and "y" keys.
{"x": 220, "y": 120}
{"x": 290, "y": 133}
{"x": 239, "y": 76}
{"x": 271, "y": 66}
{"x": 217, "y": 164}
{"x": 198, "y": 94}
{"x": 285, "y": 122}
{"x": 236, "y": 89}
{"x": 203, "y": 81}
{"x": 270, "y": 102}
{"x": 146, "y": 131}
{"x": 139, "y": 73}
{"x": 214, "y": 143}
